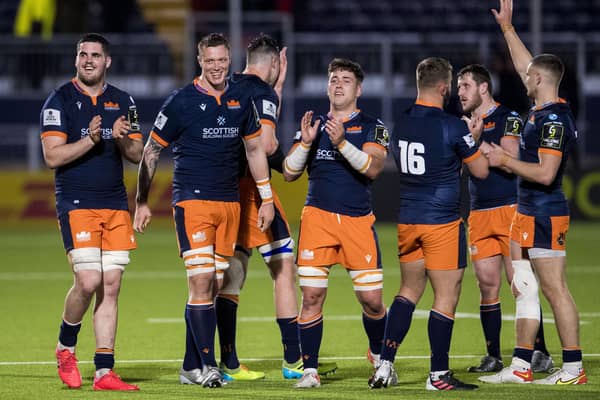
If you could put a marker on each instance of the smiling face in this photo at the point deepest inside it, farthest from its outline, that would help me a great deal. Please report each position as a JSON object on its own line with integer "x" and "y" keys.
{"x": 469, "y": 93}
{"x": 343, "y": 89}
{"x": 91, "y": 63}
{"x": 214, "y": 61}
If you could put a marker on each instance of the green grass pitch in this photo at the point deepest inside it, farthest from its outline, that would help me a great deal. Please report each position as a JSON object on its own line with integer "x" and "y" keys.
{"x": 34, "y": 277}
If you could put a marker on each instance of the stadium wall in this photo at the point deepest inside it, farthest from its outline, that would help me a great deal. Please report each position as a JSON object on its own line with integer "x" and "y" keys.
{"x": 30, "y": 196}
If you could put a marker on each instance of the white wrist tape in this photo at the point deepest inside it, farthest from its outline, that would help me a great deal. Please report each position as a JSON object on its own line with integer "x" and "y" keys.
{"x": 358, "y": 159}
{"x": 264, "y": 189}
{"x": 295, "y": 162}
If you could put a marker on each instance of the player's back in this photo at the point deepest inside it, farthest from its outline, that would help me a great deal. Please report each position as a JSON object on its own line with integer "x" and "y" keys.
{"x": 429, "y": 146}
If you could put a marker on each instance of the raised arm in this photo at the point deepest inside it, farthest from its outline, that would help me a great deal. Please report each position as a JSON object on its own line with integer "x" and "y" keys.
{"x": 150, "y": 157}
{"x": 295, "y": 162}
{"x": 521, "y": 57}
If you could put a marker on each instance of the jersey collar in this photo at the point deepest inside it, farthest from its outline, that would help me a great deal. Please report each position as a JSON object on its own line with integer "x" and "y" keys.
{"x": 85, "y": 92}
{"x": 351, "y": 116}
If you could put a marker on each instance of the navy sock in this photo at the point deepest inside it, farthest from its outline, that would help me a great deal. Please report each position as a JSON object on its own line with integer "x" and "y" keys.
{"x": 571, "y": 355}
{"x": 375, "y": 329}
{"x": 191, "y": 359}
{"x": 523, "y": 353}
{"x": 311, "y": 334}
{"x": 68, "y": 334}
{"x": 491, "y": 322}
{"x": 203, "y": 323}
{"x": 226, "y": 310}
{"x": 289, "y": 338}
{"x": 540, "y": 340}
{"x": 397, "y": 324}
{"x": 104, "y": 358}
{"x": 440, "y": 334}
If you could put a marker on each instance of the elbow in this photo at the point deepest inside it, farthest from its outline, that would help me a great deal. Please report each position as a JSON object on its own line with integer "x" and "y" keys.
{"x": 547, "y": 179}
{"x": 51, "y": 163}
{"x": 289, "y": 177}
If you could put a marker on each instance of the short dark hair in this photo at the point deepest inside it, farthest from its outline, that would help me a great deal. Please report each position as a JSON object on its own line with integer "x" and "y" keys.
{"x": 479, "y": 73}
{"x": 432, "y": 71}
{"x": 95, "y": 38}
{"x": 261, "y": 45}
{"x": 550, "y": 63}
{"x": 213, "y": 40}
{"x": 344, "y": 64}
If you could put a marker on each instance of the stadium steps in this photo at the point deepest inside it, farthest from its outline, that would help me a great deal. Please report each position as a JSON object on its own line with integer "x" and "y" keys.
{"x": 168, "y": 17}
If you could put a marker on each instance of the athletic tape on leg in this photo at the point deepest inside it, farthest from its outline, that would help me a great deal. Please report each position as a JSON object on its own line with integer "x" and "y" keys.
{"x": 528, "y": 300}
{"x": 114, "y": 259}
{"x": 277, "y": 250}
{"x": 199, "y": 261}
{"x": 87, "y": 258}
{"x": 363, "y": 281}
{"x": 313, "y": 276}
{"x": 235, "y": 277}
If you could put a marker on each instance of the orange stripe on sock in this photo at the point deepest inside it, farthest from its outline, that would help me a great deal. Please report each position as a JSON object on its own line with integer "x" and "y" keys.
{"x": 524, "y": 346}
{"x": 571, "y": 348}
{"x": 105, "y": 350}
{"x": 490, "y": 302}
{"x": 449, "y": 316}
{"x": 310, "y": 319}
{"x": 201, "y": 302}
{"x": 233, "y": 297}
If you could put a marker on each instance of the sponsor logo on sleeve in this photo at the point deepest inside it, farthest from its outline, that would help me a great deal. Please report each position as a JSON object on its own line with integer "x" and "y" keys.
{"x": 51, "y": 117}
{"x": 269, "y": 108}
{"x": 132, "y": 117}
{"x": 513, "y": 126}
{"x": 469, "y": 140}
{"x": 298, "y": 135}
{"x": 382, "y": 135}
{"x": 552, "y": 135}
{"x": 161, "y": 120}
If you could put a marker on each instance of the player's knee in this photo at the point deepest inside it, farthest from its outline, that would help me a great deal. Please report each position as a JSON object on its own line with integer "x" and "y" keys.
{"x": 234, "y": 279}
{"x": 87, "y": 258}
{"x": 368, "y": 280}
{"x": 277, "y": 250}
{"x": 114, "y": 260}
{"x": 199, "y": 261}
{"x": 525, "y": 287}
{"x": 317, "y": 277}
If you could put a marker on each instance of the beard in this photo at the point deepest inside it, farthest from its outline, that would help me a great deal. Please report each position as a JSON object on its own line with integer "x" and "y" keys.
{"x": 469, "y": 108}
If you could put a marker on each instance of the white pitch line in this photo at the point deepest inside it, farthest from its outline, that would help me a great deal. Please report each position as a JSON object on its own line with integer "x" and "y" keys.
{"x": 262, "y": 359}
{"x": 418, "y": 314}
{"x": 179, "y": 273}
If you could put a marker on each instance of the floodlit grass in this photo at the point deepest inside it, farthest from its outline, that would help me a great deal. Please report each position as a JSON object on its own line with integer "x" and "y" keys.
{"x": 34, "y": 277}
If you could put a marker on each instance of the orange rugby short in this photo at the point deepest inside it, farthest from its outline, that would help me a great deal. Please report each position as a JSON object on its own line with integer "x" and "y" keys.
{"x": 443, "y": 246}
{"x": 541, "y": 232}
{"x": 489, "y": 231}
{"x": 328, "y": 238}
{"x": 201, "y": 223}
{"x": 102, "y": 228}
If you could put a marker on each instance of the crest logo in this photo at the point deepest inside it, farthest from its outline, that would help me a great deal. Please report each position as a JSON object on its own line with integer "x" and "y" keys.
{"x": 83, "y": 236}
{"x": 307, "y": 254}
{"x": 199, "y": 237}
{"x": 109, "y": 105}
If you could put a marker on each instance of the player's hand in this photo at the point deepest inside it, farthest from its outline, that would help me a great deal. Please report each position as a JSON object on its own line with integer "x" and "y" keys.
{"x": 266, "y": 213}
{"x": 475, "y": 125}
{"x": 485, "y": 148}
{"x": 496, "y": 155}
{"x": 308, "y": 129}
{"x": 504, "y": 16}
{"x": 282, "y": 72}
{"x": 142, "y": 217}
{"x": 95, "y": 129}
{"x": 120, "y": 128}
{"x": 335, "y": 130}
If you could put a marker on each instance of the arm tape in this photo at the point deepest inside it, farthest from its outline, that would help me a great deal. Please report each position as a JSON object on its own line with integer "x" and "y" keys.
{"x": 358, "y": 159}
{"x": 264, "y": 189}
{"x": 295, "y": 162}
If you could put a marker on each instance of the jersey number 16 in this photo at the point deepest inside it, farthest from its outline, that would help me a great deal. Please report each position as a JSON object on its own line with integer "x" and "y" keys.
{"x": 410, "y": 160}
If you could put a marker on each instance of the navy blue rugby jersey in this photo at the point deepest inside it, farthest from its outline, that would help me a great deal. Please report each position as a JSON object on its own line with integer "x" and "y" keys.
{"x": 206, "y": 133}
{"x": 95, "y": 180}
{"x": 266, "y": 101}
{"x": 333, "y": 184}
{"x": 500, "y": 187}
{"x": 429, "y": 147}
{"x": 550, "y": 129}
